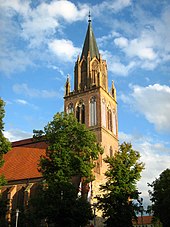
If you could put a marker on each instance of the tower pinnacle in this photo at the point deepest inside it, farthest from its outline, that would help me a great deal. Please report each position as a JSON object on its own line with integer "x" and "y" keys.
{"x": 90, "y": 44}
{"x": 89, "y": 20}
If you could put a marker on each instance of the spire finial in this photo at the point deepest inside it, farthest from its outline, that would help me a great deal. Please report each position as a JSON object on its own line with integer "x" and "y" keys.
{"x": 89, "y": 20}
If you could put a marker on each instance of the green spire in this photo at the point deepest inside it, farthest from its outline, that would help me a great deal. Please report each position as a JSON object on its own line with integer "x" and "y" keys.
{"x": 90, "y": 43}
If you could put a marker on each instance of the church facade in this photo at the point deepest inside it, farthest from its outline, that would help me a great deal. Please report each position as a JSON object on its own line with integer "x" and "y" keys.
{"x": 92, "y": 103}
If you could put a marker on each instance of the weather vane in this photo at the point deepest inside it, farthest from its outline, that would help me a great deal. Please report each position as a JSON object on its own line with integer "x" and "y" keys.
{"x": 89, "y": 20}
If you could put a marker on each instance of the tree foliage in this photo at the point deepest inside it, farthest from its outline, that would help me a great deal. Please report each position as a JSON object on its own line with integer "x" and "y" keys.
{"x": 4, "y": 148}
{"x": 4, "y": 143}
{"x": 72, "y": 150}
{"x": 59, "y": 205}
{"x": 160, "y": 197}
{"x": 123, "y": 172}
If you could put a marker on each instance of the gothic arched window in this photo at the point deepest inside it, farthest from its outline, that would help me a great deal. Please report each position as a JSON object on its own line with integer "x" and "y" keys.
{"x": 83, "y": 114}
{"x": 94, "y": 72}
{"x": 114, "y": 120}
{"x": 104, "y": 113}
{"x": 109, "y": 119}
{"x": 80, "y": 112}
{"x": 93, "y": 113}
{"x": 83, "y": 75}
{"x": 70, "y": 108}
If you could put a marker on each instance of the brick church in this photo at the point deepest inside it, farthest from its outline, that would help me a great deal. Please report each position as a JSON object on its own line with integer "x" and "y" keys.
{"x": 92, "y": 103}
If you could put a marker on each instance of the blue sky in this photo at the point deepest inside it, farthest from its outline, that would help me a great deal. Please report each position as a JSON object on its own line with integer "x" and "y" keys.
{"x": 39, "y": 43}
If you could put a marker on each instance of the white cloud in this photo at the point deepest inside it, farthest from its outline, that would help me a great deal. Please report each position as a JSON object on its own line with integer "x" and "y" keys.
{"x": 149, "y": 45}
{"x": 118, "y": 5}
{"x": 12, "y": 7}
{"x": 67, "y": 10}
{"x": 21, "y": 101}
{"x": 106, "y": 38}
{"x": 141, "y": 48}
{"x": 27, "y": 29}
{"x": 38, "y": 24}
{"x": 121, "y": 42}
{"x": 110, "y": 6}
{"x": 32, "y": 92}
{"x": 119, "y": 68}
{"x": 64, "y": 49}
{"x": 160, "y": 34}
{"x": 116, "y": 66}
{"x": 153, "y": 102}
{"x": 16, "y": 134}
{"x": 25, "y": 103}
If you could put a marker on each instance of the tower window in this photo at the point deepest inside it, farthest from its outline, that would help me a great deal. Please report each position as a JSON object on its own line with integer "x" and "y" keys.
{"x": 114, "y": 122}
{"x": 109, "y": 119}
{"x": 104, "y": 113}
{"x": 80, "y": 113}
{"x": 83, "y": 75}
{"x": 83, "y": 114}
{"x": 70, "y": 108}
{"x": 93, "y": 117}
{"x": 94, "y": 72}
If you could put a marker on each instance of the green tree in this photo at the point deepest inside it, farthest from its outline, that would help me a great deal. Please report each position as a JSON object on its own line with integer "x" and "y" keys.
{"x": 123, "y": 172}
{"x": 72, "y": 150}
{"x": 4, "y": 143}
{"x": 59, "y": 205}
{"x": 4, "y": 148}
{"x": 160, "y": 197}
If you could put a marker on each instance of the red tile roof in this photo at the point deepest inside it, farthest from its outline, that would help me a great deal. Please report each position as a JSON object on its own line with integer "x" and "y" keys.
{"x": 146, "y": 220}
{"x": 21, "y": 162}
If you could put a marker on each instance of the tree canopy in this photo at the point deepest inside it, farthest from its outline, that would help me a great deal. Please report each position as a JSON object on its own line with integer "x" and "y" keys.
{"x": 160, "y": 197}
{"x": 124, "y": 169}
{"x": 72, "y": 150}
{"x": 5, "y": 146}
{"x": 4, "y": 143}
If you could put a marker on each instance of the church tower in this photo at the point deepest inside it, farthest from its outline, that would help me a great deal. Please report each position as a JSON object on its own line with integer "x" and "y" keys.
{"x": 92, "y": 103}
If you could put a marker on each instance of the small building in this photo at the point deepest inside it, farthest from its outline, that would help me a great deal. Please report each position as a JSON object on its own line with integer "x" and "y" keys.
{"x": 146, "y": 221}
{"x": 21, "y": 172}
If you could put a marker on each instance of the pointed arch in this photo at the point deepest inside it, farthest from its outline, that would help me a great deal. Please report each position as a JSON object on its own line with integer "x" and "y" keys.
{"x": 109, "y": 118}
{"x": 83, "y": 114}
{"x": 83, "y": 74}
{"x": 95, "y": 69}
{"x": 114, "y": 120}
{"x": 80, "y": 112}
{"x": 103, "y": 112}
{"x": 70, "y": 108}
{"x": 93, "y": 111}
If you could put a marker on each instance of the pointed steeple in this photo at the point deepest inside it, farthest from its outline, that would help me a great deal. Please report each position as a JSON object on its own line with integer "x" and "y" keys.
{"x": 90, "y": 44}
